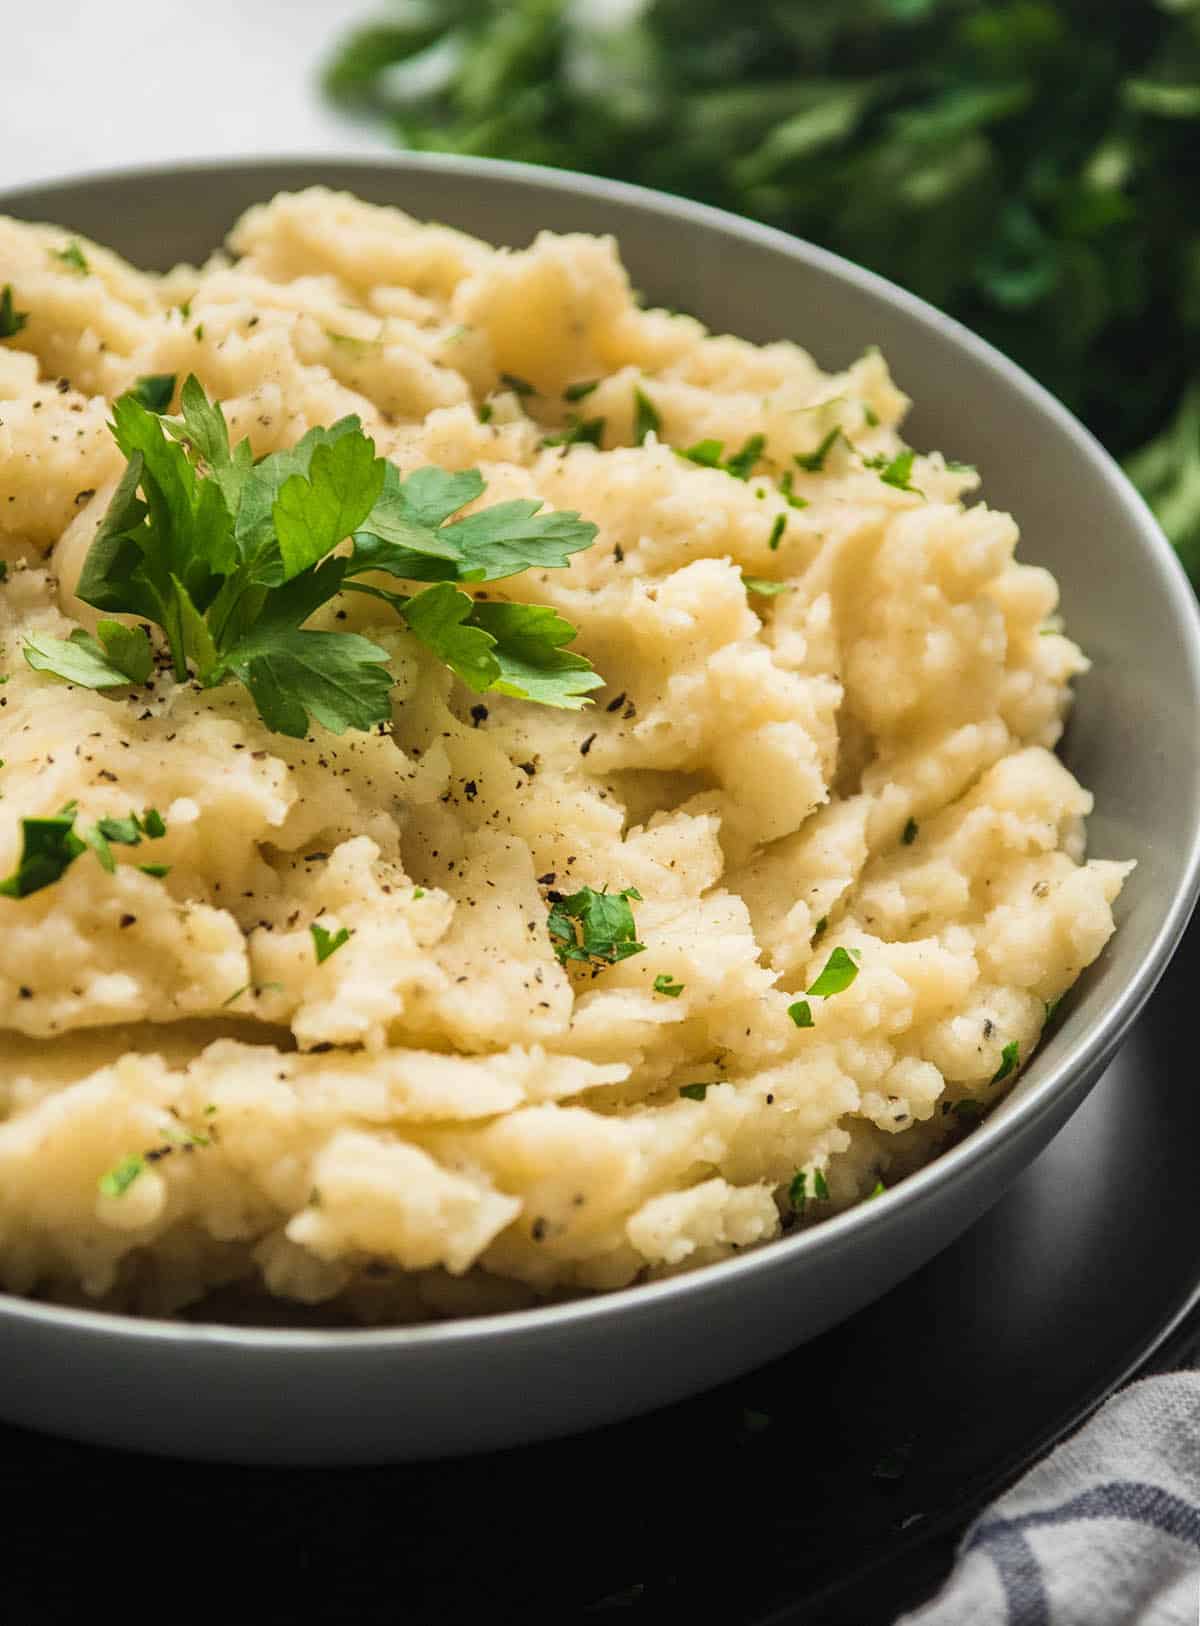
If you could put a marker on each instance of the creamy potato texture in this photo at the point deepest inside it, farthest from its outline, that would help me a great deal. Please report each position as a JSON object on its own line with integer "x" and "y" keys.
{"x": 441, "y": 1118}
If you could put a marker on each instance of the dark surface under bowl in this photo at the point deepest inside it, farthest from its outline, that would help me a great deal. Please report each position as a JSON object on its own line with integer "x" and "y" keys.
{"x": 282, "y": 1396}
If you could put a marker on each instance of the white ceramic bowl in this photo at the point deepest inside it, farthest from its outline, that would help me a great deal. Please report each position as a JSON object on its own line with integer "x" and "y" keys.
{"x": 281, "y": 1395}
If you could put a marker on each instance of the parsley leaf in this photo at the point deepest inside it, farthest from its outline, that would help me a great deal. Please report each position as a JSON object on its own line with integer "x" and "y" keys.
{"x": 645, "y": 417}
{"x": 326, "y": 942}
{"x": 591, "y": 925}
{"x": 797, "y": 1191}
{"x": 664, "y": 983}
{"x": 123, "y": 656}
{"x": 11, "y": 320}
{"x": 528, "y": 650}
{"x": 1009, "y": 1058}
{"x": 707, "y": 453}
{"x": 801, "y": 1013}
{"x": 578, "y": 432}
{"x": 820, "y": 1186}
{"x": 741, "y": 464}
{"x": 155, "y": 390}
{"x": 694, "y": 1092}
{"x": 813, "y": 462}
{"x": 895, "y": 471}
{"x": 576, "y": 392}
{"x": 841, "y": 968}
{"x": 877, "y": 1190}
{"x": 519, "y": 386}
{"x": 764, "y": 587}
{"x": 72, "y": 256}
{"x": 48, "y": 849}
{"x": 119, "y": 1179}
{"x": 315, "y": 511}
{"x": 777, "y": 530}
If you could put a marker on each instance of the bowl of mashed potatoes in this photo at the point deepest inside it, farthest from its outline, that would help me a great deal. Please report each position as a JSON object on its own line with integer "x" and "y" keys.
{"x": 583, "y": 784}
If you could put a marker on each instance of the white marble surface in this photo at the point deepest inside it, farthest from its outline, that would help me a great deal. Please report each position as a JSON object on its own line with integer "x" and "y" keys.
{"x": 102, "y": 84}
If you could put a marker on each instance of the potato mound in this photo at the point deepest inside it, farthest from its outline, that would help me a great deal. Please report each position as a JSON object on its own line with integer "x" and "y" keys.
{"x": 441, "y": 1118}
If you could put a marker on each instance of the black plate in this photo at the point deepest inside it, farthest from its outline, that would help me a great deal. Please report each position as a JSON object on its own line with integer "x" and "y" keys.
{"x": 828, "y": 1487}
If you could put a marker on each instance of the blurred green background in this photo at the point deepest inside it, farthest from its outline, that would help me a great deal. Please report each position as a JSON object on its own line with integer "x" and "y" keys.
{"x": 1032, "y": 167}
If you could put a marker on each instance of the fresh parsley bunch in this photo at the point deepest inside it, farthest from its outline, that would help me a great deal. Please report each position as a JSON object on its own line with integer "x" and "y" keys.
{"x": 230, "y": 557}
{"x": 1028, "y": 165}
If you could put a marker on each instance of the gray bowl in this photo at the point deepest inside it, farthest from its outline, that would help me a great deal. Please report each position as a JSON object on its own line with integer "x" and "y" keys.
{"x": 286, "y": 1396}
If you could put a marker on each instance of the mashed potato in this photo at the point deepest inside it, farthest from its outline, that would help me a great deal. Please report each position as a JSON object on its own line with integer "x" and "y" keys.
{"x": 442, "y": 1118}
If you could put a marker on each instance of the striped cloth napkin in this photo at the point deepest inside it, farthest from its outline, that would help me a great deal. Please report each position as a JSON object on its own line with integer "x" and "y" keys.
{"x": 1104, "y": 1532}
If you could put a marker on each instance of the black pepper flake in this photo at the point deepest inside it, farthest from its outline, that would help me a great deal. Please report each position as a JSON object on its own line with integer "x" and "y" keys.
{"x": 630, "y": 711}
{"x": 538, "y": 1230}
{"x": 85, "y": 496}
{"x": 62, "y": 385}
{"x": 470, "y": 789}
{"x": 25, "y": 993}
{"x": 587, "y": 745}
{"x": 527, "y": 767}
{"x": 615, "y": 705}
{"x": 556, "y": 897}
{"x": 111, "y": 777}
{"x": 479, "y": 714}
{"x": 128, "y": 920}
{"x": 619, "y": 554}
{"x": 548, "y": 879}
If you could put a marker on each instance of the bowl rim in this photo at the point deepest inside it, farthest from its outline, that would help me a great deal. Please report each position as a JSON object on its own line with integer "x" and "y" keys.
{"x": 1089, "y": 1050}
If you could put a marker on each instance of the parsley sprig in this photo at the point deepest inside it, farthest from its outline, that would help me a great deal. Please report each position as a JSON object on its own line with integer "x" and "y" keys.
{"x": 230, "y": 558}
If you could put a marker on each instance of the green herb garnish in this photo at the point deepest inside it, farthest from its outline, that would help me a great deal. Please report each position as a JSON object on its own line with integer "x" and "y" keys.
{"x": 813, "y": 462}
{"x": 72, "y": 256}
{"x": 820, "y": 1186}
{"x": 840, "y": 970}
{"x": 577, "y": 392}
{"x": 801, "y": 1013}
{"x": 122, "y": 656}
{"x": 665, "y": 984}
{"x": 694, "y": 1092}
{"x": 595, "y": 926}
{"x": 777, "y": 530}
{"x": 579, "y": 432}
{"x": 797, "y": 1192}
{"x": 155, "y": 390}
{"x": 519, "y": 386}
{"x": 895, "y": 471}
{"x": 1009, "y": 1057}
{"x": 327, "y": 943}
{"x": 645, "y": 417}
{"x": 119, "y": 1179}
{"x": 11, "y": 319}
{"x": 229, "y": 558}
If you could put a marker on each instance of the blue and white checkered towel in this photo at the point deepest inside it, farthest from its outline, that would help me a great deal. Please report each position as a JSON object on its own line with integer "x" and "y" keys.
{"x": 1104, "y": 1532}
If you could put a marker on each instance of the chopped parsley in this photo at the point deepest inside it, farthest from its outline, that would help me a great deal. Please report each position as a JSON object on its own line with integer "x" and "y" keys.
{"x": 1009, "y": 1058}
{"x": 155, "y": 390}
{"x": 229, "y": 558}
{"x": 801, "y": 1013}
{"x": 895, "y": 471}
{"x": 877, "y": 1190}
{"x": 764, "y": 587}
{"x": 694, "y": 1092}
{"x": 1052, "y": 1009}
{"x": 645, "y": 416}
{"x": 158, "y": 872}
{"x": 579, "y": 432}
{"x": 72, "y": 256}
{"x": 485, "y": 411}
{"x": 813, "y": 462}
{"x": 49, "y": 846}
{"x": 11, "y": 319}
{"x": 820, "y": 1186}
{"x": 840, "y": 970}
{"x": 777, "y": 530}
{"x": 710, "y": 454}
{"x": 576, "y": 392}
{"x": 797, "y": 1191}
{"x": 909, "y": 834}
{"x": 786, "y": 481}
{"x": 327, "y": 943}
{"x": 519, "y": 386}
{"x": 741, "y": 464}
{"x": 254, "y": 988}
{"x": 119, "y": 1179}
{"x": 664, "y": 984}
{"x": 594, "y": 926}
